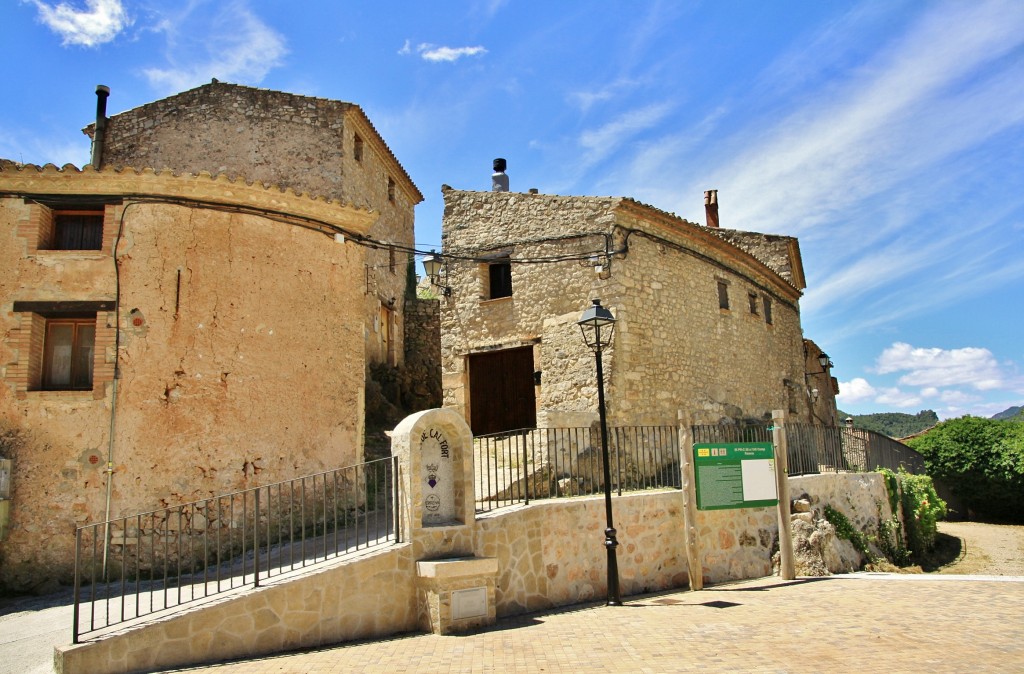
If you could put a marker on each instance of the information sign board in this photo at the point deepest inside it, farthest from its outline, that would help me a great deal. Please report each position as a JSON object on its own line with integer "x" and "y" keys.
{"x": 735, "y": 475}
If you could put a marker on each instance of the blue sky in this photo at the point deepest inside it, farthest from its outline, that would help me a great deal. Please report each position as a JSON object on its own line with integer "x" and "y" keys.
{"x": 886, "y": 135}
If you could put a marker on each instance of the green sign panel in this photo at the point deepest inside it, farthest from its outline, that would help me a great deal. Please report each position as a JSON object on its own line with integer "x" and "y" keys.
{"x": 735, "y": 475}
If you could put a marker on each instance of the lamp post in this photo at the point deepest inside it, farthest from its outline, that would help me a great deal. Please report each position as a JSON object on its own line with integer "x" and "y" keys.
{"x": 598, "y": 326}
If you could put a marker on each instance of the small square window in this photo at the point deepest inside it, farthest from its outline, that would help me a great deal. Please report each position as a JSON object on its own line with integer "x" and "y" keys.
{"x": 500, "y": 279}
{"x": 767, "y": 310}
{"x": 68, "y": 348}
{"x": 752, "y": 299}
{"x": 723, "y": 295}
{"x": 77, "y": 230}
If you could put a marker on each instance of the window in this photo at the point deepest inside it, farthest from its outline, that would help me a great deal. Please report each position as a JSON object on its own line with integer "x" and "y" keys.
{"x": 752, "y": 299}
{"x": 391, "y": 258}
{"x": 68, "y": 348}
{"x": 767, "y": 310}
{"x": 723, "y": 295}
{"x": 500, "y": 279}
{"x": 76, "y": 230}
{"x": 357, "y": 148}
{"x": 391, "y": 190}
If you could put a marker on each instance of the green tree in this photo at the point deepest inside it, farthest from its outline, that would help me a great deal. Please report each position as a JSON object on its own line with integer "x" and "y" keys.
{"x": 982, "y": 461}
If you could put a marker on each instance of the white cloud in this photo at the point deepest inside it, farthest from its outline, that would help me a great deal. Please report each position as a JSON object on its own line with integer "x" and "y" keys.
{"x": 894, "y": 397}
{"x": 100, "y": 22}
{"x": 435, "y": 54}
{"x": 406, "y": 48}
{"x": 856, "y": 390}
{"x": 969, "y": 366}
{"x": 234, "y": 44}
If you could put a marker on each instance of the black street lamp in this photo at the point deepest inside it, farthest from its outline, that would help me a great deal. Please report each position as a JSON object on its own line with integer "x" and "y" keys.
{"x": 598, "y": 325}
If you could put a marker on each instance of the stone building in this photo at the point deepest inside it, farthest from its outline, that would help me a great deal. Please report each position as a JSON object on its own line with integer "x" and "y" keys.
{"x": 321, "y": 147}
{"x": 239, "y": 355}
{"x": 708, "y": 319}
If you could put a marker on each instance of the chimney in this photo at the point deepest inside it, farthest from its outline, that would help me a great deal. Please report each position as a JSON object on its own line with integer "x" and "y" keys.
{"x": 98, "y": 138}
{"x": 499, "y": 181}
{"x": 711, "y": 207}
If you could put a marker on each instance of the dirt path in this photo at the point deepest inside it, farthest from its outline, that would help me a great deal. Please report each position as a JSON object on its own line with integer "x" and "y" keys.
{"x": 985, "y": 549}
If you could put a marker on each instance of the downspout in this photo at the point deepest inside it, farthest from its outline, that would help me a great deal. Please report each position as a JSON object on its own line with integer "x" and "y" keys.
{"x": 97, "y": 158}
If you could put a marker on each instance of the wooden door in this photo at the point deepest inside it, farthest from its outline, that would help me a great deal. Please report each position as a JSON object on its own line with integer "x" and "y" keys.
{"x": 501, "y": 391}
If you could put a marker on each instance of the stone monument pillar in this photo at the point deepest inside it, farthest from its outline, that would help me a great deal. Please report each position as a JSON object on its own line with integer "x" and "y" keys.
{"x": 456, "y": 589}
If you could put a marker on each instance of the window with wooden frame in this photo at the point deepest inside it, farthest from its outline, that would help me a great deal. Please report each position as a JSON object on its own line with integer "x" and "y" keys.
{"x": 499, "y": 279}
{"x": 69, "y": 345}
{"x": 77, "y": 229}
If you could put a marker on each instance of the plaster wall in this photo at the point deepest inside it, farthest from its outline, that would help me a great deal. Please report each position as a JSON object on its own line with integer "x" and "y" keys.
{"x": 248, "y": 371}
{"x": 299, "y": 142}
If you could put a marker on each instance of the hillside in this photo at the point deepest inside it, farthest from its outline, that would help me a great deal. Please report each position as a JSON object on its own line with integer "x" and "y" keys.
{"x": 1010, "y": 413}
{"x": 894, "y": 424}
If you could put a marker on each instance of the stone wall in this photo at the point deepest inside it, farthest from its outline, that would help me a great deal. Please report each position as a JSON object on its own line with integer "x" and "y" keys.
{"x": 422, "y": 367}
{"x": 240, "y": 355}
{"x": 550, "y": 553}
{"x": 674, "y": 348}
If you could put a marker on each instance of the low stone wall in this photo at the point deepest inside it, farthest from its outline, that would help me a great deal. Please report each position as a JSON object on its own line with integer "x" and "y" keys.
{"x": 550, "y": 553}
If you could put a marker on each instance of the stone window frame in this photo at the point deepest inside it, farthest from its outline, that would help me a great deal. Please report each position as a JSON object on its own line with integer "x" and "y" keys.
{"x": 496, "y": 277}
{"x": 357, "y": 148}
{"x": 753, "y": 301}
{"x": 723, "y": 294}
{"x": 766, "y": 303}
{"x": 391, "y": 189}
{"x": 25, "y": 376}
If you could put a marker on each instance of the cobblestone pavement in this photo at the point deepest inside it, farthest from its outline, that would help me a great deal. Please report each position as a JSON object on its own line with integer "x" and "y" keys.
{"x": 848, "y": 623}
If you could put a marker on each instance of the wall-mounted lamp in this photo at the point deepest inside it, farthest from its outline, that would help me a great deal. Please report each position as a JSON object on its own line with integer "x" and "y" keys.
{"x": 825, "y": 362}
{"x": 432, "y": 265}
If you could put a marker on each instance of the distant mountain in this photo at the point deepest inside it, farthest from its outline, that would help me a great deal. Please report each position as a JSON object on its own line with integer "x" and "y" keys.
{"x": 894, "y": 424}
{"x": 1010, "y": 413}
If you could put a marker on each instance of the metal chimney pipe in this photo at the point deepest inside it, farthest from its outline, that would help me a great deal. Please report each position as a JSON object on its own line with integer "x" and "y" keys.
{"x": 499, "y": 181}
{"x": 711, "y": 207}
{"x": 102, "y": 91}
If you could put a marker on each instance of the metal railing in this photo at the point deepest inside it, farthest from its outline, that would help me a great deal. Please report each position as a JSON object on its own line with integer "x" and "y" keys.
{"x": 822, "y": 449}
{"x": 517, "y": 466}
{"x": 131, "y": 567}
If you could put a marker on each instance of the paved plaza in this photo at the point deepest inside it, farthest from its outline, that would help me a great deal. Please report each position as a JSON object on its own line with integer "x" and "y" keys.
{"x": 848, "y": 623}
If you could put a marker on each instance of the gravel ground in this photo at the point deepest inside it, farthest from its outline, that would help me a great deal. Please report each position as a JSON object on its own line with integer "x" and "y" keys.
{"x": 986, "y": 549}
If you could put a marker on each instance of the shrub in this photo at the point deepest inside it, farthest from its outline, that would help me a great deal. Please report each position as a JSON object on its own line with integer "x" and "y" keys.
{"x": 982, "y": 462}
{"x": 922, "y": 509}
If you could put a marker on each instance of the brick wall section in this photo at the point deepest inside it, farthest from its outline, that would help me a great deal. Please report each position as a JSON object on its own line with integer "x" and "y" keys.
{"x": 674, "y": 348}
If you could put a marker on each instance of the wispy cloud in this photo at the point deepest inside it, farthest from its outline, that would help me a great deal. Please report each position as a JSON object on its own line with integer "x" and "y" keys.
{"x": 603, "y": 141}
{"x": 233, "y": 44}
{"x": 439, "y": 54}
{"x": 99, "y": 23}
{"x": 584, "y": 100}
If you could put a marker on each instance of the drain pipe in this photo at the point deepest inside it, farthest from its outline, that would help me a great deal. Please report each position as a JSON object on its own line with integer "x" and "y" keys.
{"x": 98, "y": 139}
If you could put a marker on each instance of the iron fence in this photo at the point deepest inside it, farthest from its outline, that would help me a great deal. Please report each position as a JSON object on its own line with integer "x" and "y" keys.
{"x": 822, "y": 449}
{"x": 517, "y": 466}
{"x": 131, "y": 567}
